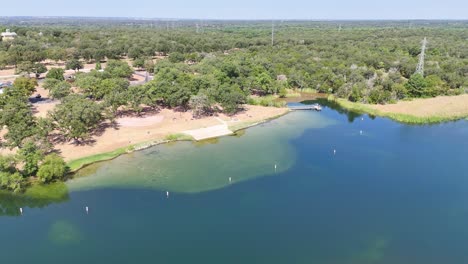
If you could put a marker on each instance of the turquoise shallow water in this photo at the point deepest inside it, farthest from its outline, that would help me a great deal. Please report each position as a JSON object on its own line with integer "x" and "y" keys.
{"x": 393, "y": 194}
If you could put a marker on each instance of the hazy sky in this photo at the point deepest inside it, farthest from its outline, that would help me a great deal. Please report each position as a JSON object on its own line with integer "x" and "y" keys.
{"x": 242, "y": 9}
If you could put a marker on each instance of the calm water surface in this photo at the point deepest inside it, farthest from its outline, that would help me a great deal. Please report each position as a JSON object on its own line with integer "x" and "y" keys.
{"x": 393, "y": 194}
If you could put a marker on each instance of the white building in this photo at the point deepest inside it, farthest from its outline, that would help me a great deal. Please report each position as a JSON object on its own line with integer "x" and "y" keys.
{"x": 7, "y": 35}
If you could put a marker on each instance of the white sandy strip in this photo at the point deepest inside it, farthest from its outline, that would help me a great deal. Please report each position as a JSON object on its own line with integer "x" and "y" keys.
{"x": 209, "y": 132}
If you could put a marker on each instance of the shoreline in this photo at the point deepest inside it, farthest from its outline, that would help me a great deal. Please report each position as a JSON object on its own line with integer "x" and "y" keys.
{"x": 400, "y": 116}
{"x": 82, "y": 162}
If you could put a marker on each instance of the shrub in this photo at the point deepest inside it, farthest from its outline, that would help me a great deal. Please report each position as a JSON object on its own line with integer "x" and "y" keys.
{"x": 53, "y": 168}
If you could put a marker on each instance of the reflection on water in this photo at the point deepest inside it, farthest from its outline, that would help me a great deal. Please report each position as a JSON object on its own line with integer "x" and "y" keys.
{"x": 351, "y": 115}
{"x": 38, "y": 196}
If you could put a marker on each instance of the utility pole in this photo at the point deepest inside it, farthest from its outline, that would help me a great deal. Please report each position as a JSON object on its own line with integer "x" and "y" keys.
{"x": 420, "y": 67}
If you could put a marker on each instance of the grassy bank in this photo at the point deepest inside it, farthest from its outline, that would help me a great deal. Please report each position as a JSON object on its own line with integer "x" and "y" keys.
{"x": 79, "y": 163}
{"x": 403, "y": 118}
{"x": 82, "y": 162}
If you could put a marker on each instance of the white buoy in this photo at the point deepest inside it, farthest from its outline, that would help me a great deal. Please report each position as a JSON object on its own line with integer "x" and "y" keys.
{"x": 360, "y": 132}
{"x": 275, "y": 167}
{"x": 362, "y": 118}
{"x": 334, "y": 151}
{"x": 21, "y": 211}
{"x": 230, "y": 179}
{"x": 167, "y": 194}
{"x": 87, "y": 210}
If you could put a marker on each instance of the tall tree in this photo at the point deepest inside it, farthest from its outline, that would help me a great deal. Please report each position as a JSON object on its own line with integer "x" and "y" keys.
{"x": 76, "y": 117}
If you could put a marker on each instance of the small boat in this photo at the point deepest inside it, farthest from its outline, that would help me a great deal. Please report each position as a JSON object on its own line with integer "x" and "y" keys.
{"x": 317, "y": 107}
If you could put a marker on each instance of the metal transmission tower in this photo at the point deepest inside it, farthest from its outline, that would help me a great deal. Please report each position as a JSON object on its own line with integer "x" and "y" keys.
{"x": 272, "y": 33}
{"x": 420, "y": 68}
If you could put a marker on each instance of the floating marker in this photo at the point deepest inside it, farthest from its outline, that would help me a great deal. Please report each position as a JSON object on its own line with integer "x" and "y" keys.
{"x": 362, "y": 118}
{"x": 21, "y": 211}
{"x": 167, "y": 194}
{"x": 275, "y": 167}
{"x": 87, "y": 210}
{"x": 360, "y": 132}
{"x": 230, "y": 179}
{"x": 334, "y": 151}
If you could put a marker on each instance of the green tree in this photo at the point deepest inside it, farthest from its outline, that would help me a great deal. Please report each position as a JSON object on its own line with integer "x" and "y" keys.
{"x": 416, "y": 85}
{"x": 149, "y": 65}
{"x": 60, "y": 90}
{"x": 118, "y": 69}
{"x": 265, "y": 83}
{"x": 25, "y": 85}
{"x": 88, "y": 84}
{"x": 356, "y": 93}
{"x": 53, "y": 168}
{"x": 30, "y": 155}
{"x": 56, "y": 54}
{"x": 56, "y": 73}
{"x": 11, "y": 181}
{"x": 74, "y": 64}
{"x": 38, "y": 69}
{"x": 7, "y": 164}
{"x": 231, "y": 97}
{"x": 76, "y": 117}
{"x": 49, "y": 83}
{"x": 175, "y": 57}
{"x": 139, "y": 63}
{"x": 17, "y": 116}
{"x": 25, "y": 67}
{"x": 200, "y": 104}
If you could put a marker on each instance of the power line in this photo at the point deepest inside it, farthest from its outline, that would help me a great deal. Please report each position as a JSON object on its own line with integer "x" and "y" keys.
{"x": 420, "y": 67}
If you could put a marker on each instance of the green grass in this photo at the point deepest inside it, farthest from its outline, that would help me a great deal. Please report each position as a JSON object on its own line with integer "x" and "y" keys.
{"x": 308, "y": 90}
{"x": 269, "y": 101}
{"x": 402, "y": 118}
{"x": 82, "y": 162}
{"x": 79, "y": 163}
{"x": 178, "y": 137}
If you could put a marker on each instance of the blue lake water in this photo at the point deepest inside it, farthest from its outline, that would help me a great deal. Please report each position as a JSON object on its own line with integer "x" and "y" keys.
{"x": 392, "y": 194}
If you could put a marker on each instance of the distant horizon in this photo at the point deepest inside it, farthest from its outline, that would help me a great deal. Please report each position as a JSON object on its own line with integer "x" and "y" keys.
{"x": 244, "y": 9}
{"x": 242, "y": 19}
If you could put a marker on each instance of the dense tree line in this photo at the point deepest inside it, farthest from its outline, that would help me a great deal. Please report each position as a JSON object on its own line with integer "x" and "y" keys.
{"x": 362, "y": 62}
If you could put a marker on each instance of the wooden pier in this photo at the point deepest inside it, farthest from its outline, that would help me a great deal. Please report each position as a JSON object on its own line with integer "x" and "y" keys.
{"x": 315, "y": 107}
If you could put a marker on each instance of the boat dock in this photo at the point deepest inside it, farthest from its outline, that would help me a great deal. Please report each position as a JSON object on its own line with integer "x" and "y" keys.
{"x": 315, "y": 107}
